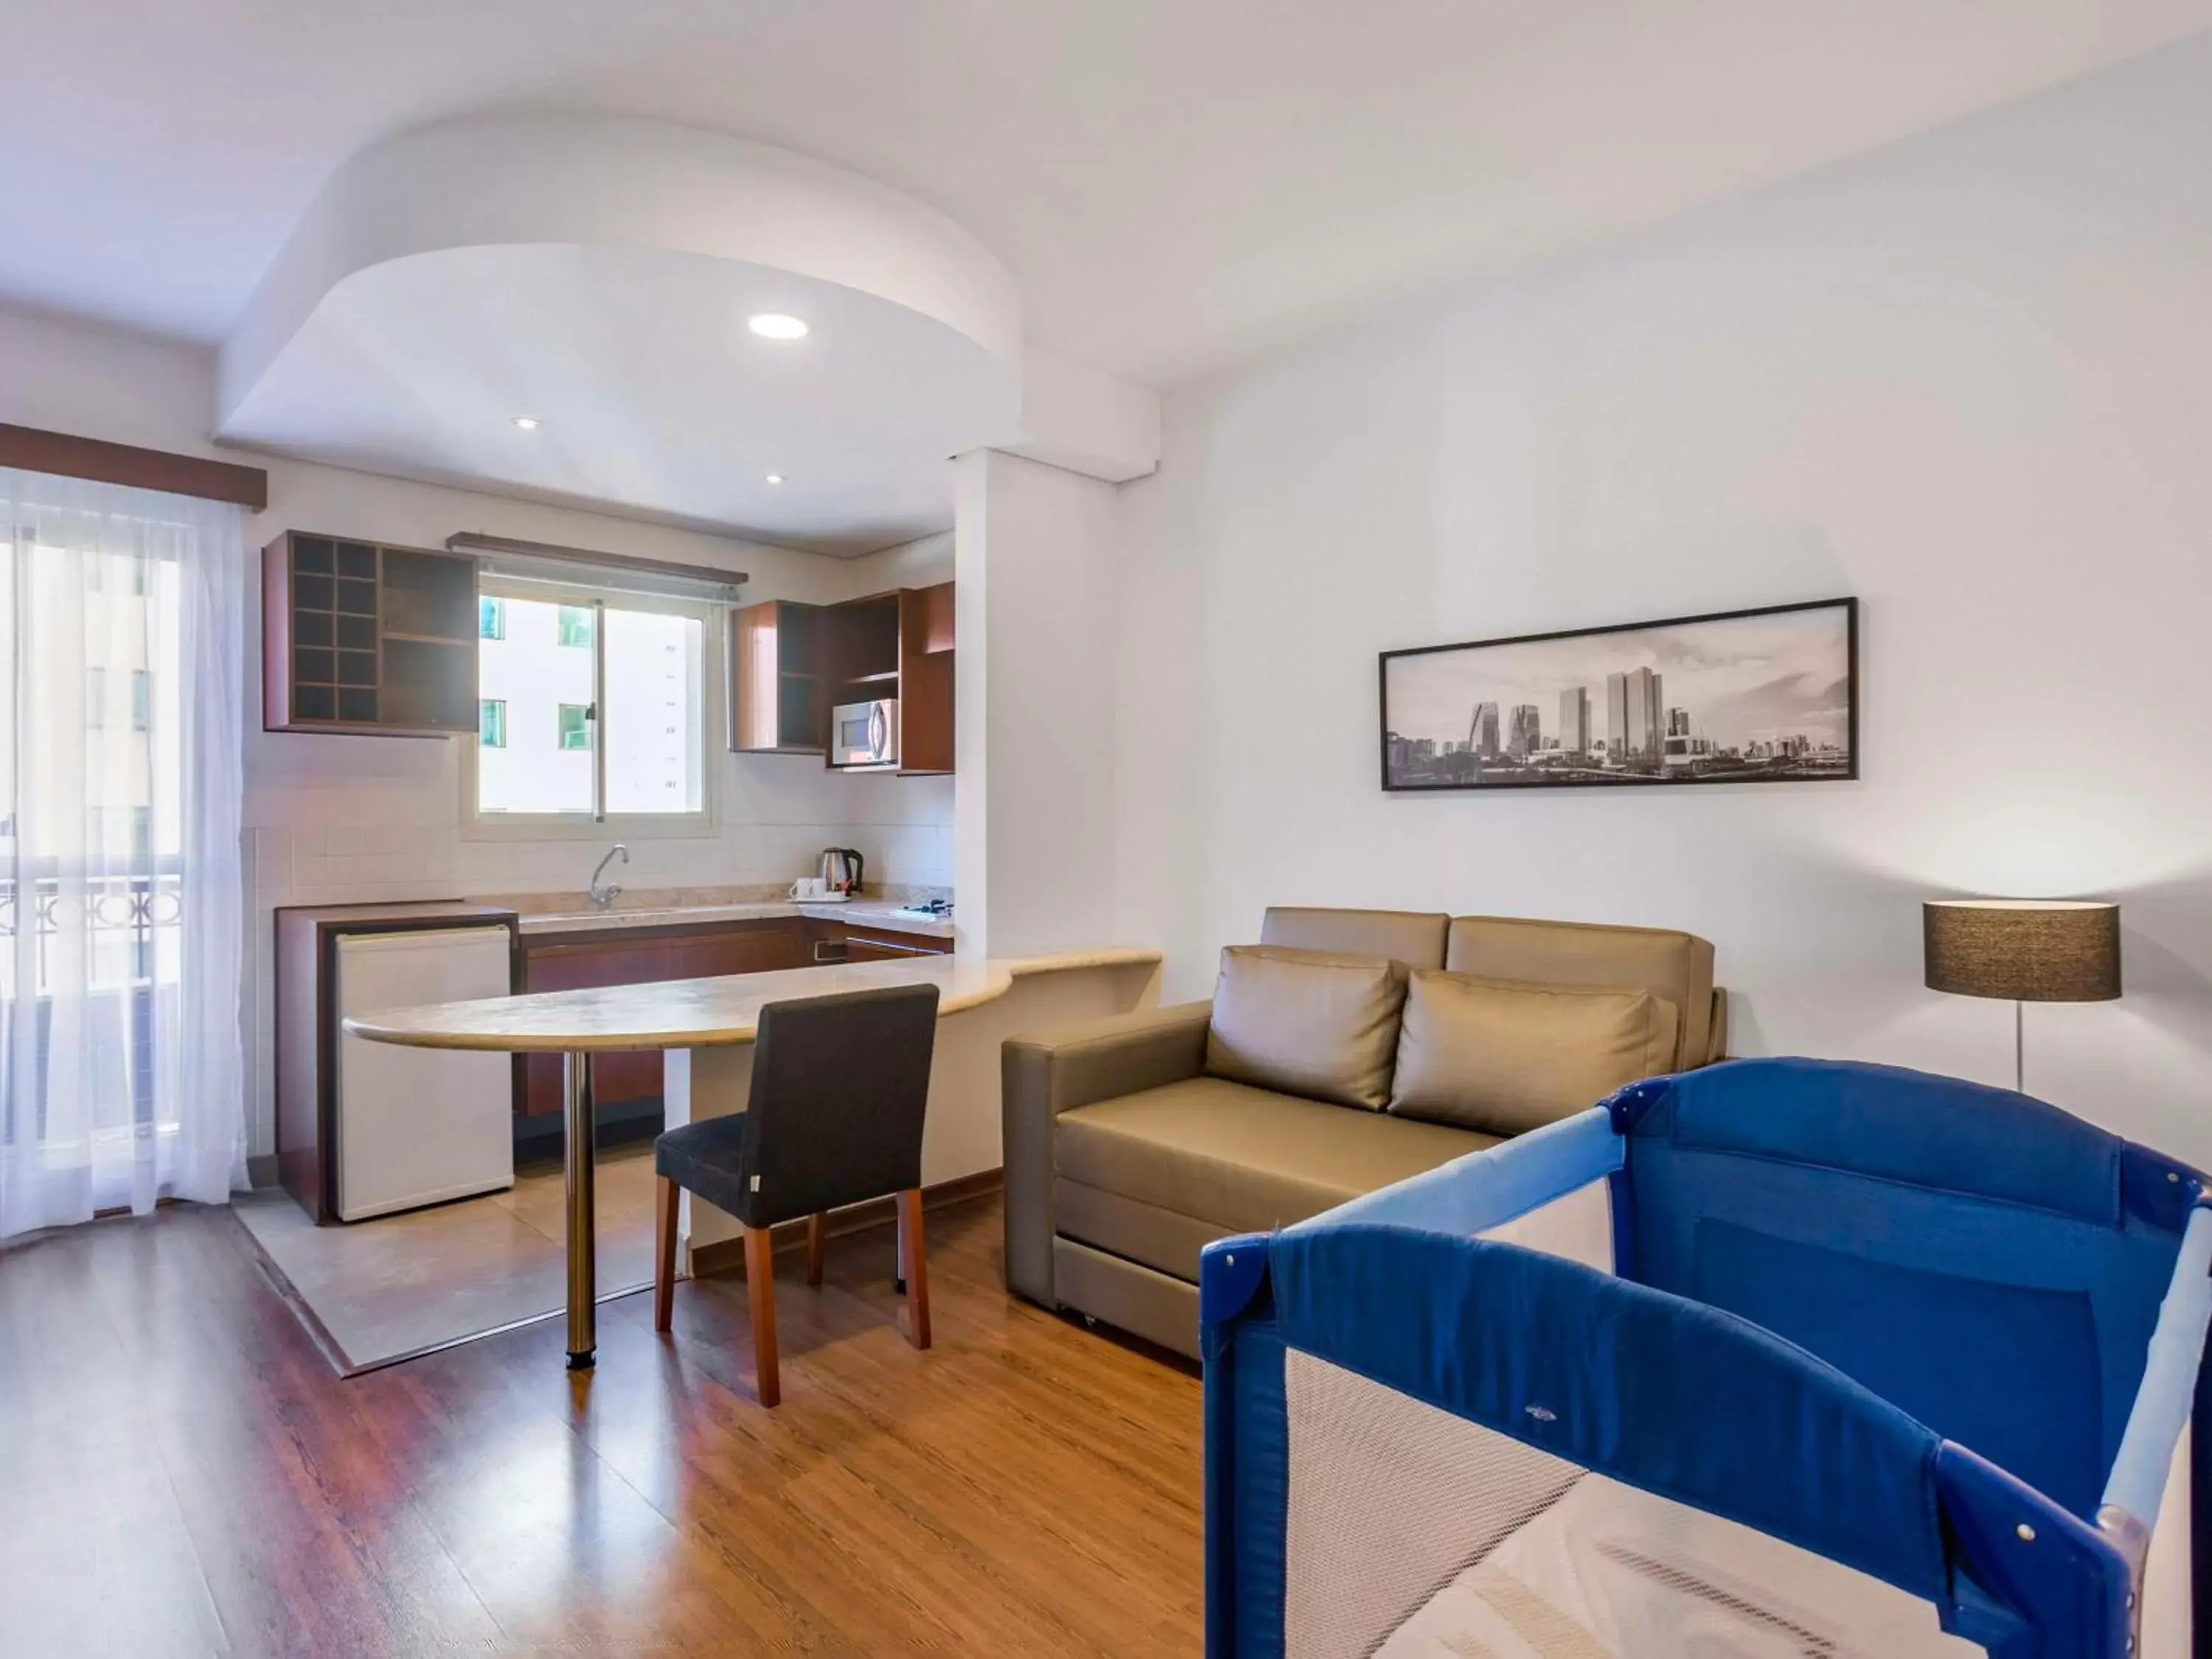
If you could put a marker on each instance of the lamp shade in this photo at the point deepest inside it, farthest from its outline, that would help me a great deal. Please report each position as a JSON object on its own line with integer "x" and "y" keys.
{"x": 2023, "y": 950}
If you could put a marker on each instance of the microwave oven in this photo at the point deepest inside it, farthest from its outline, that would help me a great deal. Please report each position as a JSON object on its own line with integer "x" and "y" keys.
{"x": 865, "y": 733}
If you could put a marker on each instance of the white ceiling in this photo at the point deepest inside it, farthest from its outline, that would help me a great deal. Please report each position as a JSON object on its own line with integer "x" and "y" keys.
{"x": 1174, "y": 184}
{"x": 595, "y": 274}
{"x": 658, "y": 404}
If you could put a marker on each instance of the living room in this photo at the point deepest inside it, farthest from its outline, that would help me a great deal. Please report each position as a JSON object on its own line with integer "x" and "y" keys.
{"x": 1250, "y": 392}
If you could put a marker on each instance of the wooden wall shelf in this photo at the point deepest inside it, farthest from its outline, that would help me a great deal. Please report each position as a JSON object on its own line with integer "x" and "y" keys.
{"x": 361, "y": 638}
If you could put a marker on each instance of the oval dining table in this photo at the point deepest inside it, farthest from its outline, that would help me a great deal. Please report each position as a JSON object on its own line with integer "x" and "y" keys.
{"x": 686, "y": 1013}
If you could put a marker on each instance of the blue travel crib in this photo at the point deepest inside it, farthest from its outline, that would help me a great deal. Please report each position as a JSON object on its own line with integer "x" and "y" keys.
{"x": 1777, "y": 1357}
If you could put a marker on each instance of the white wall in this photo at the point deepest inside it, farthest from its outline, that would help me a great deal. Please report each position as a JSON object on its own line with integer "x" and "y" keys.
{"x": 1037, "y": 568}
{"x": 340, "y": 820}
{"x": 1967, "y": 379}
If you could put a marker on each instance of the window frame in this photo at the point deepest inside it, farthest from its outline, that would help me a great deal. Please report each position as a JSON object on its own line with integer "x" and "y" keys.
{"x": 704, "y": 824}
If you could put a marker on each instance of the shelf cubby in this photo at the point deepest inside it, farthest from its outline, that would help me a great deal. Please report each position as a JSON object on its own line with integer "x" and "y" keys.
{"x": 361, "y": 638}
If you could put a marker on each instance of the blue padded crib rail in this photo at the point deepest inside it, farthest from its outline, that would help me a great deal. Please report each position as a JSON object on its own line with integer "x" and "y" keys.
{"x": 1945, "y": 1334}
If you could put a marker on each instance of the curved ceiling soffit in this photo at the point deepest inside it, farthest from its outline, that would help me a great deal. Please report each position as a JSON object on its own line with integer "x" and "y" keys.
{"x": 545, "y": 180}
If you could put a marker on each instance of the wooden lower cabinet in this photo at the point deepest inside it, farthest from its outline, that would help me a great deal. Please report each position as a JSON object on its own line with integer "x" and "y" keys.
{"x": 646, "y": 958}
{"x": 862, "y": 945}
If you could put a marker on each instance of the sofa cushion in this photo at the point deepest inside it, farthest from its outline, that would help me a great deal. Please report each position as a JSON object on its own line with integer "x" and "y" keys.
{"x": 1318, "y": 1023}
{"x": 1504, "y": 1056}
{"x": 1244, "y": 1159}
{"x": 1415, "y": 938}
{"x": 1674, "y": 965}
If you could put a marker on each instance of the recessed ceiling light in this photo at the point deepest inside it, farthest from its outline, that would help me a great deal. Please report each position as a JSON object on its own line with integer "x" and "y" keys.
{"x": 777, "y": 326}
{"x": 775, "y": 478}
{"x": 527, "y": 422}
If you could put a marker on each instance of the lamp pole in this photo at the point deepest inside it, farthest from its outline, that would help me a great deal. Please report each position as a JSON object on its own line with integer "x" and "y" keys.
{"x": 2018, "y": 1046}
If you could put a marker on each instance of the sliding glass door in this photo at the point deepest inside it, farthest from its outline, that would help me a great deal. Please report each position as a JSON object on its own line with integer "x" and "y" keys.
{"x": 121, "y": 1062}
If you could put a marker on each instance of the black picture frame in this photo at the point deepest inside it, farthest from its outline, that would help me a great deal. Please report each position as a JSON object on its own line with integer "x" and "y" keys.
{"x": 1402, "y": 772}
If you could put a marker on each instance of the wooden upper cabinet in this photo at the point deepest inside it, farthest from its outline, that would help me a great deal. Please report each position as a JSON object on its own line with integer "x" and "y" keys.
{"x": 651, "y": 956}
{"x": 897, "y": 645}
{"x": 924, "y": 682}
{"x": 362, "y": 638}
{"x": 775, "y": 700}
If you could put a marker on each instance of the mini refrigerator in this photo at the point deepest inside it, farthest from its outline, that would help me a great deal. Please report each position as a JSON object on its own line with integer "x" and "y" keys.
{"x": 418, "y": 1125}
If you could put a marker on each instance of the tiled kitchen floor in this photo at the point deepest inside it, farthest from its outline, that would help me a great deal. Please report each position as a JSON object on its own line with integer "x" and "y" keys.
{"x": 401, "y": 1284}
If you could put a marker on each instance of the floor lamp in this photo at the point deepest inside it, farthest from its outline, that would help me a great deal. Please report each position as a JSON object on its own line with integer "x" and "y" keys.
{"x": 2024, "y": 950}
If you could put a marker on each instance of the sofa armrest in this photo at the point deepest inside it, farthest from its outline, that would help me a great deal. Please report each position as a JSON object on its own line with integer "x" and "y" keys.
{"x": 1049, "y": 1072}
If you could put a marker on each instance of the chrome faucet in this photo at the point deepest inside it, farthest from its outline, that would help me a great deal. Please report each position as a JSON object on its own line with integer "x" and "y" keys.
{"x": 602, "y": 897}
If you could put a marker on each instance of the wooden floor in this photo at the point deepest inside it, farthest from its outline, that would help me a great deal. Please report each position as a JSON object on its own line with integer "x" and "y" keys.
{"x": 182, "y": 1472}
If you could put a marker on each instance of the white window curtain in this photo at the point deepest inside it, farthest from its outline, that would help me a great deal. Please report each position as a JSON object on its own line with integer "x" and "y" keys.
{"x": 122, "y": 1066}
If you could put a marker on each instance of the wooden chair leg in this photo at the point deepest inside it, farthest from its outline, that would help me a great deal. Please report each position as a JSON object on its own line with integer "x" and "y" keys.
{"x": 760, "y": 1291}
{"x": 814, "y": 1231}
{"x": 917, "y": 1266}
{"x": 664, "y": 1256}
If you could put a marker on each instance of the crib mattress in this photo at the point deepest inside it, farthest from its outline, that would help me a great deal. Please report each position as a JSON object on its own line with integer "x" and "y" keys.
{"x": 1612, "y": 1572}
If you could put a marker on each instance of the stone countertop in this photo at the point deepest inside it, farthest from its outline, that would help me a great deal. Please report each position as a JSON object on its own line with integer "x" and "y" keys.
{"x": 538, "y": 920}
{"x": 703, "y": 1013}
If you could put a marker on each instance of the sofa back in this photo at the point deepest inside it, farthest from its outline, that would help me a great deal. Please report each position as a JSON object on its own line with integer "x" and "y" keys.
{"x": 1677, "y": 966}
{"x": 1415, "y": 938}
{"x": 1673, "y": 965}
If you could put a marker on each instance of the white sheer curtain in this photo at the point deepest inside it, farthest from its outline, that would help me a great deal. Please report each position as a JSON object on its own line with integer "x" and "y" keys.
{"x": 122, "y": 1069}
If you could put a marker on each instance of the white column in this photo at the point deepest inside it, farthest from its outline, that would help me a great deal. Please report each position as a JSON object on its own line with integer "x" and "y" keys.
{"x": 1036, "y": 557}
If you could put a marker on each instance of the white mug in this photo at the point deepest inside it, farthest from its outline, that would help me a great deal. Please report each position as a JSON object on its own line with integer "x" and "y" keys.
{"x": 807, "y": 887}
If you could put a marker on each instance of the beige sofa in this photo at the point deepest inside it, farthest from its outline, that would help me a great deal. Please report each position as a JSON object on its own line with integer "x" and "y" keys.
{"x": 1132, "y": 1143}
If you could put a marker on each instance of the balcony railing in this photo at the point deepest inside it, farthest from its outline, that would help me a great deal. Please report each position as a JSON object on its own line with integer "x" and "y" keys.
{"x": 116, "y": 938}
{"x": 120, "y": 918}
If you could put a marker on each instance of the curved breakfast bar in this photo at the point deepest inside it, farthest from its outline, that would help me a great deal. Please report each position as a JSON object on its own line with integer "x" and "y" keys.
{"x": 706, "y": 1026}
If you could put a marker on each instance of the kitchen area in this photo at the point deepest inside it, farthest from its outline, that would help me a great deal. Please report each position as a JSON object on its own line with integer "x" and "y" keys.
{"x": 417, "y": 1198}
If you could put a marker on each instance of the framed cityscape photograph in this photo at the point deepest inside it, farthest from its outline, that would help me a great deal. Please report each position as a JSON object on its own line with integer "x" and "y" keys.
{"x": 1743, "y": 696}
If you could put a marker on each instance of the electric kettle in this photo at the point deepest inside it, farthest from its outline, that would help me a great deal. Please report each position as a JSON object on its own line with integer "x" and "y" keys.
{"x": 841, "y": 870}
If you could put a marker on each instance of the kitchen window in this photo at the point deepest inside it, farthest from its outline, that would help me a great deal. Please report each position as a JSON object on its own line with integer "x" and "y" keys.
{"x": 591, "y": 714}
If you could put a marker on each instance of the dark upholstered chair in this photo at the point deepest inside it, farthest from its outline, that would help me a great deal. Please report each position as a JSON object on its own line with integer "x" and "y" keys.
{"x": 839, "y": 1088}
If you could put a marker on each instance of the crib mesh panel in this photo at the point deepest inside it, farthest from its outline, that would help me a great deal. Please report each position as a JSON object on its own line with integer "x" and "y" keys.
{"x": 2168, "y": 1621}
{"x": 1389, "y": 1497}
{"x": 1413, "y": 1534}
{"x": 1577, "y": 1226}
{"x": 1383, "y": 1466}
